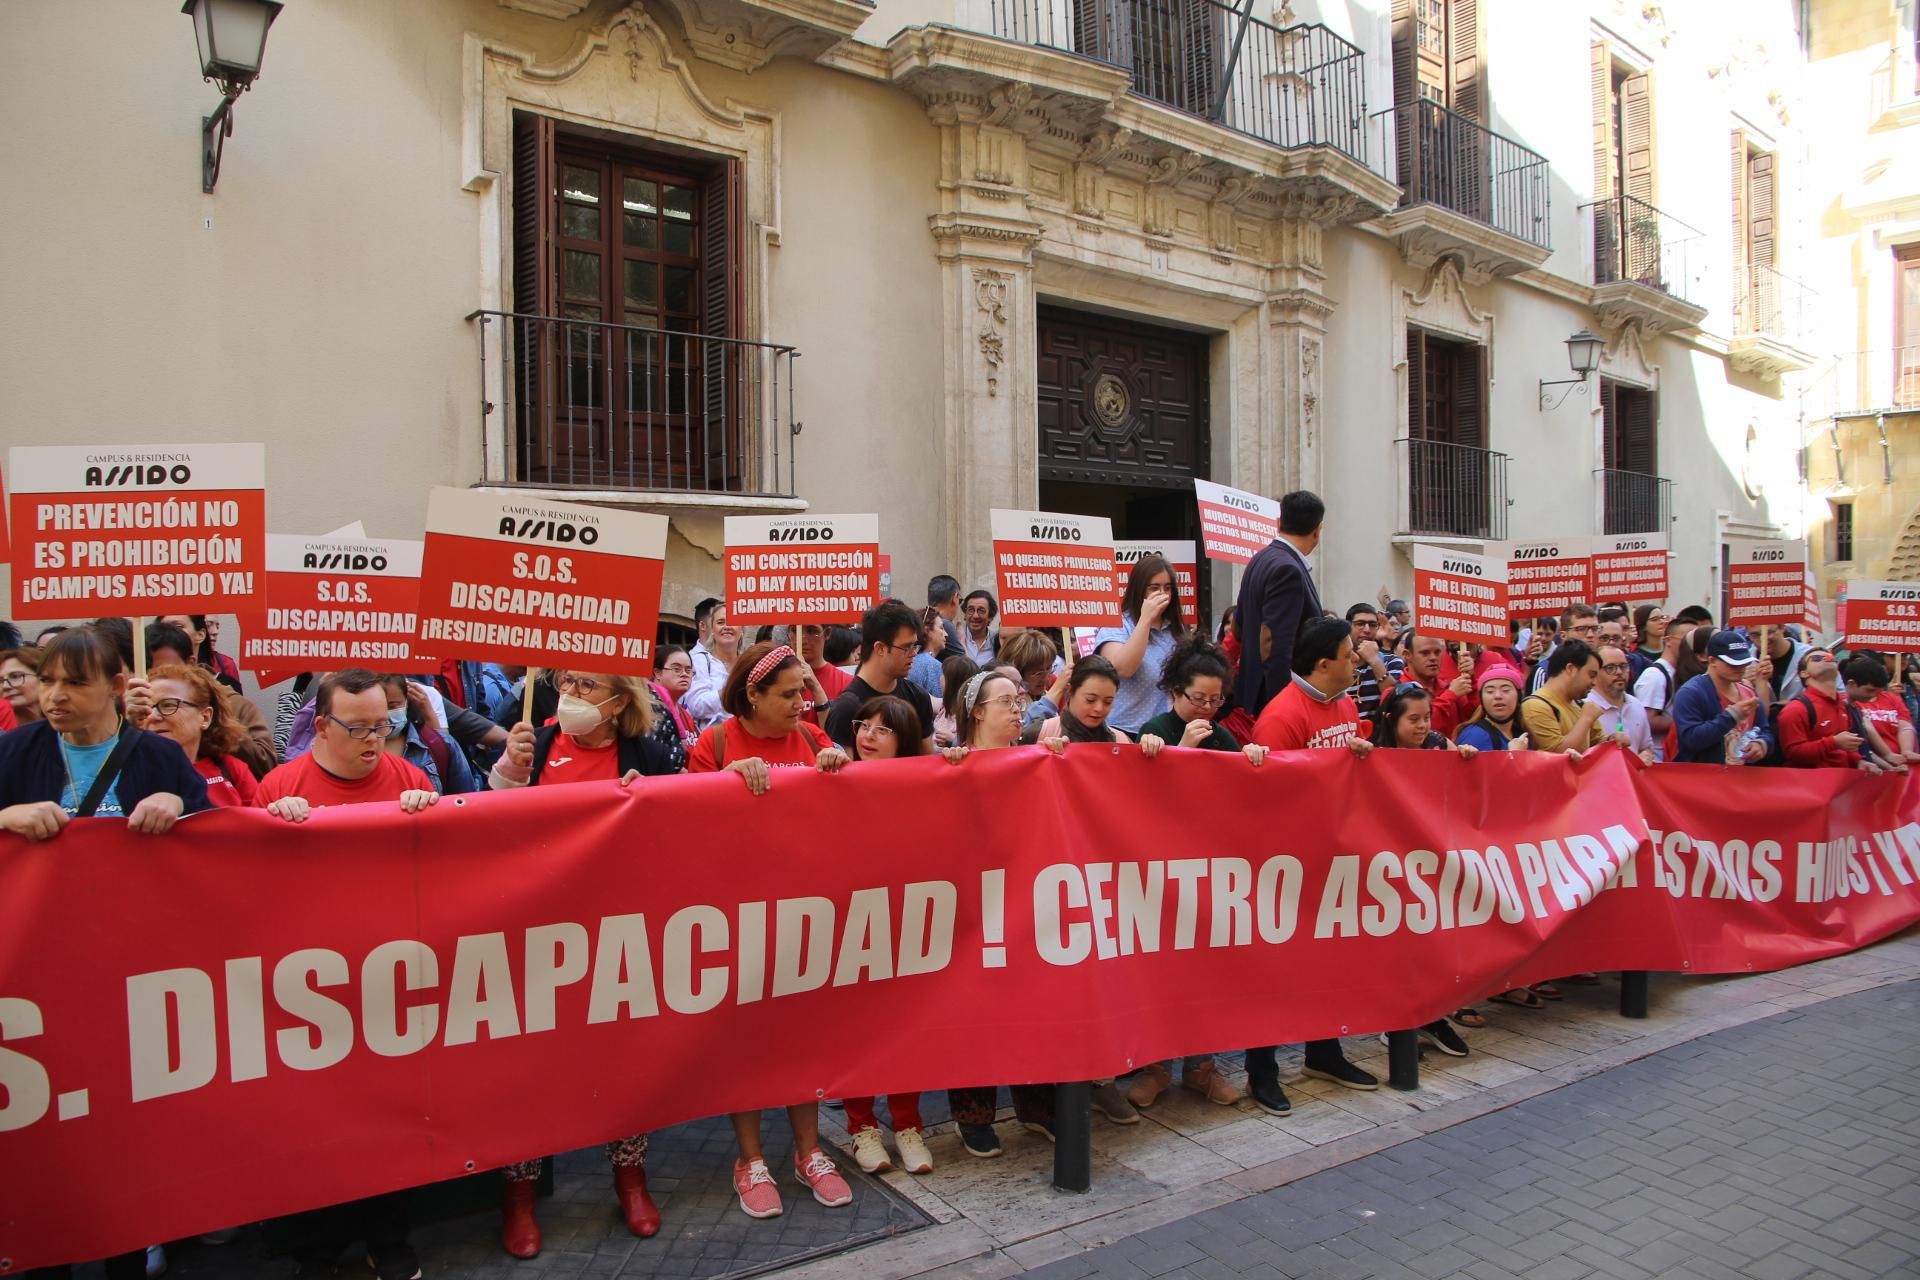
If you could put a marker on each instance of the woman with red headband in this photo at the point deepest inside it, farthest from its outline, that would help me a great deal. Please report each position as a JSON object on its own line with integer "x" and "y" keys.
{"x": 766, "y": 693}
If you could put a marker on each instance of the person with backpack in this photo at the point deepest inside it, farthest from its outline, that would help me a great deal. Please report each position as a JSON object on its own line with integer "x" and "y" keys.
{"x": 1660, "y": 679}
{"x": 1820, "y": 727}
{"x": 1717, "y": 715}
{"x": 1559, "y": 718}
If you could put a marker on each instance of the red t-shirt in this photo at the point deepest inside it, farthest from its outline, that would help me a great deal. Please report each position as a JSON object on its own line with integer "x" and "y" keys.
{"x": 1293, "y": 721}
{"x": 230, "y": 784}
{"x": 305, "y": 778}
{"x": 834, "y": 681}
{"x": 8, "y": 721}
{"x": 798, "y": 750}
{"x": 1888, "y": 713}
{"x": 568, "y": 761}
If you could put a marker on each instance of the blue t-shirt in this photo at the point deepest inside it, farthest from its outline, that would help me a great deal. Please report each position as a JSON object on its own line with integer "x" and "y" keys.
{"x": 83, "y": 766}
{"x": 1141, "y": 698}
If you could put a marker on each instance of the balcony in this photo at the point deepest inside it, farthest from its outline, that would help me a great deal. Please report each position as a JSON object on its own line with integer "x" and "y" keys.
{"x": 1299, "y": 86}
{"x": 619, "y": 410}
{"x": 1866, "y": 383}
{"x": 1646, "y": 267}
{"x": 1770, "y": 324}
{"x": 1632, "y": 502}
{"x": 1452, "y": 491}
{"x": 1468, "y": 192}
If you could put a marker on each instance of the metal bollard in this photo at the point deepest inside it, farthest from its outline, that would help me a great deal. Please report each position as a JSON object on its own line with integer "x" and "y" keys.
{"x": 1403, "y": 1059}
{"x": 1073, "y": 1137}
{"x": 1633, "y": 993}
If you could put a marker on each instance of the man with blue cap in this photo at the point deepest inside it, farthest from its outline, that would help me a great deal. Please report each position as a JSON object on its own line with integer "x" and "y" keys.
{"x": 1718, "y": 717}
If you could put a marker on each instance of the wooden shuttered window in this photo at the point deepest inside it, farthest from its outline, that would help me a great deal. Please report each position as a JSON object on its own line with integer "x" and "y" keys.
{"x": 1173, "y": 48}
{"x": 1436, "y": 55}
{"x": 623, "y": 258}
{"x": 1636, "y": 137}
{"x": 1629, "y": 428}
{"x": 1754, "y": 176}
{"x": 1463, "y": 60}
{"x": 1738, "y": 185}
{"x": 1450, "y": 481}
{"x": 1763, "y": 208}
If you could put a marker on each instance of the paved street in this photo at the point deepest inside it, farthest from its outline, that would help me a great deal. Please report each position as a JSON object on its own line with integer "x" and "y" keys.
{"x": 1786, "y": 1149}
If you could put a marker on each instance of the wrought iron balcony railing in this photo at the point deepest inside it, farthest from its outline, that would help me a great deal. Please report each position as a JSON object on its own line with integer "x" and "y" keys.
{"x": 1298, "y": 86}
{"x": 617, "y": 406}
{"x": 1867, "y": 382}
{"x": 1633, "y": 502}
{"x": 1444, "y": 158}
{"x": 1637, "y": 243}
{"x": 1773, "y": 305}
{"x": 1453, "y": 490}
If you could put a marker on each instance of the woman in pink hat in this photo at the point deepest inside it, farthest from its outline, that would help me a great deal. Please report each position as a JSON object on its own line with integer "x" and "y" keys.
{"x": 1496, "y": 725}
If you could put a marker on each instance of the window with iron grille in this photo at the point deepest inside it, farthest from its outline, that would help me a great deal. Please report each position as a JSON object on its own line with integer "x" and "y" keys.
{"x": 1843, "y": 531}
{"x": 1453, "y": 481}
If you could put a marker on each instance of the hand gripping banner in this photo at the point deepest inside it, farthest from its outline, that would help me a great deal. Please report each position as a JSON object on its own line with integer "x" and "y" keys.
{"x": 244, "y": 1018}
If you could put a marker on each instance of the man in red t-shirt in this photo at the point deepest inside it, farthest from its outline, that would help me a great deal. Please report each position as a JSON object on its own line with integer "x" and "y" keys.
{"x": 1312, "y": 711}
{"x": 827, "y": 681}
{"x": 1449, "y": 684}
{"x": 348, "y": 764}
{"x": 1867, "y": 680}
{"x": 1815, "y": 726}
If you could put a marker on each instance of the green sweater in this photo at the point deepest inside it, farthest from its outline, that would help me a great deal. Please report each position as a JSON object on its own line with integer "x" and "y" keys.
{"x": 1168, "y": 727}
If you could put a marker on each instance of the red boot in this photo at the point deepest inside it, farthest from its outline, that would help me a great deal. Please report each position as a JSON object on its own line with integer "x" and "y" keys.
{"x": 519, "y": 1229}
{"x": 630, "y": 1185}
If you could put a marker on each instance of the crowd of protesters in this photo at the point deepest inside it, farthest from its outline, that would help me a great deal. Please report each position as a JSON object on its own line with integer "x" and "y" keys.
{"x": 83, "y": 733}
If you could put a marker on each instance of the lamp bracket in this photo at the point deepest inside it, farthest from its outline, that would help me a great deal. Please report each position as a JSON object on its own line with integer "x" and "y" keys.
{"x": 1569, "y": 383}
{"x": 214, "y": 131}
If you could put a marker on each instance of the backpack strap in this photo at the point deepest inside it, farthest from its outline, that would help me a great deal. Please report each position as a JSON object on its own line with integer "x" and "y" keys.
{"x": 109, "y": 770}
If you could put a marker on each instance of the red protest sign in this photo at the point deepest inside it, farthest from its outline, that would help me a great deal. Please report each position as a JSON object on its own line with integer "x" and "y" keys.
{"x": 1545, "y": 577}
{"x": 137, "y": 531}
{"x": 541, "y": 584}
{"x": 1234, "y": 524}
{"x": 1459, "y": 597}
{"x": 1840, "y": 608}
{"x": 1811, "y": 619}
{"x": 1177, "y": 554}
{"x": 1054, "y": 570}
{"x": 1883, "y": 615}
{"x": 784, "y": 569}
{"x": 336, "y": 602}
{"x": 1631, "y": 567}
{"x": 1766, "y": 584}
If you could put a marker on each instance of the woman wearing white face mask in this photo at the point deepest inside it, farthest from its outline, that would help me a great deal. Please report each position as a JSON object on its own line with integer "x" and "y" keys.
{"x": 600, "y": 733}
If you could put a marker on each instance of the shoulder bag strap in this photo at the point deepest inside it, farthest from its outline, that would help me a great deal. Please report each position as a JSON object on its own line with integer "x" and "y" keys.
{"x": 109, "y": 770}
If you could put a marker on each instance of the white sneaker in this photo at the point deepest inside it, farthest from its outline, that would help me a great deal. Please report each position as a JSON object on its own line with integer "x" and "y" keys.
{"x": 870, "y": 1152}
{"x": 914, "y": 1156}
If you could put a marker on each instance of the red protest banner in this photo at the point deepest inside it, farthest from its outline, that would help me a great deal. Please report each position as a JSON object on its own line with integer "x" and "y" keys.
{"x": 1812, "y": 620}
{"x": 1458, "y": 597}
{"x": 1545, "y": 577}
{"x": 1186, "y": 569}
{"x": 336, "y": 602}
{"x": 1054, "y": 570}
{"x": 137, "y": 530}
{"x": 541, "y": 584}
{"x": 786, "y": 569}
{"x": 1882, "y": 615}
{"x": 1234, "y": 524}
{"x": 1840, "y": 608}
{"x": 1631, "y": 567}
{"x": 1766, "y": 584}
{"x": 417, "y": 972}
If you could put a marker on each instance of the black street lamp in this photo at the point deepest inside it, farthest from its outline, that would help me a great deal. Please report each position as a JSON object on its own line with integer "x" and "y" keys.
{"x": 1583, "y": 355}
{"x": 232, "y": 35}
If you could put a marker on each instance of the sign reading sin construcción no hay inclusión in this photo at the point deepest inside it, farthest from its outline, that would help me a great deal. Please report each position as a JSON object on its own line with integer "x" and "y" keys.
{"x": 1054, "y": 570}
{"x": 1766, "y": 584}
{"x": 541, "y": 584}
{"x": 1460, "y": 597}
{"x": 784, "y": 569}
{"x": 1631, "y": 567}
{"x": 137, "y": 530}
{"x": 1545, "y": 577}
{"x": 1234, "y": 524}
{"x": 336, "y": 602}
{"x": 1882, "y": 615}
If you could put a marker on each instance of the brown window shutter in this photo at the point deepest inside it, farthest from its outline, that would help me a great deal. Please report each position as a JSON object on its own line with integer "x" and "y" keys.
{"x": 533, "y": 197}
{"x": 1637, "y": 436}
{"x": 1405, "y": 52}
{"x": 1469, "y": 396}
{"x": 1199, "y": 64}
{"x": 1739, "y": 174}
{"x": 1763, "y": 210}
{"x": 1603, "y": 151}
{"x": 726, "y": 371}
{"x": 1636, "y": 143}
{"x": 1093, "y": 30}
{"x": 1416, "y": 384}
{"x": 1465, "y": 92}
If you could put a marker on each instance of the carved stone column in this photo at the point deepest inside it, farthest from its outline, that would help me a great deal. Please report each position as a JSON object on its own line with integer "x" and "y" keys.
{"x": 984, "y": 236}
{"x": 1296, "y": 309}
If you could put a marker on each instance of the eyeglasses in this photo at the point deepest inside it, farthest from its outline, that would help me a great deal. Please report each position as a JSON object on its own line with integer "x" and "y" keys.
{"x": 581, "y": 686}
{"x": 1204, "y": 703}
{"x": 1006, "y": 701}
{"x": 1615, "y": 666}
{"x": 358, "y": 732}
{"x": 877, "y": 729}
{"x": 15, "y": 679}
{"x": 168, "y": 708}
{"x": 677, "y": 669}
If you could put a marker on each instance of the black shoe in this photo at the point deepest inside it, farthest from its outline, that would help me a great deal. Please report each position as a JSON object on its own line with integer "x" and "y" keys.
{"x": 395, "y": 1262}
{"x": 1042, "y": 1127}
{"x": 1443, "y": 1037}
{"x": 1269, "y": 1097}
{"x": 980, "y": 1140}
{"x": 1345, "y": 1073}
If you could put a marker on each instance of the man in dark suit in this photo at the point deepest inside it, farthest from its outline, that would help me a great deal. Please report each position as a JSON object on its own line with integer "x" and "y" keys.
{"x": 1277, "y": 599}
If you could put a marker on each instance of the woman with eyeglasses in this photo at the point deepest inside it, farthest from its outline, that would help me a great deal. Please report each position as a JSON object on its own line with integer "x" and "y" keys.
{"x": 765, "y": 693}
{"x": 672, "y": 677}
{"x": 602, "y": 731}
{"x": 188, "y": 707}
{"x": 81, "y": 759}
{"x": 1196, "y": 683}
{"x": 18, "y": 683}
{"x": 990, "y": 707}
